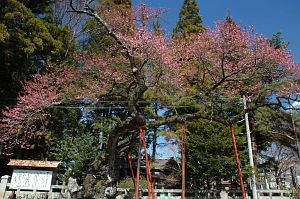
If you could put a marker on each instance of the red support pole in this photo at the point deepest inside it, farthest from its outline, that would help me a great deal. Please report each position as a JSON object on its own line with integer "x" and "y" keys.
{"x": 238, "y": 162}
{"x": 152, "y": 186}
{"x": 139, "y": 165}
{"x": 183, "y": 160}
{"x": 148, "y": 171}
{"x": 147, "y": 167}
{"x": 131, "y": 169}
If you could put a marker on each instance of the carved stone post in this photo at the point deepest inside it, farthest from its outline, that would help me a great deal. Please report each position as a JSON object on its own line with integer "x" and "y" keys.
{"x": 3, "y": 184}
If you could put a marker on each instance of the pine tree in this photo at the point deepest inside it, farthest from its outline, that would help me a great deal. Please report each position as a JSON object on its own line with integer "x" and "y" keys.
{"x": 190, "y": 20}
{"x": 29, "y": 35}
{"x": 210, "y": 154}
{"x": 277, "y": 41}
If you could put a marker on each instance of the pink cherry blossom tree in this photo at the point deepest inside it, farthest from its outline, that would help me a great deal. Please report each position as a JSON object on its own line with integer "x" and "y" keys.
{"x": 23, "y": 120}
{"x": 209, "y": 66}
{"x": 229, "y": 60}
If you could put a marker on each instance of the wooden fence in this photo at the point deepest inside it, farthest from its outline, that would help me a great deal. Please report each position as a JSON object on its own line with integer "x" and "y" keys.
{"x": 59, "y": 192}
{"x": 211, "y": 194}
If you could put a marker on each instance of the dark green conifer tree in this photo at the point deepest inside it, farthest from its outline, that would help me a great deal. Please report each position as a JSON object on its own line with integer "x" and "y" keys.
{"x": 190, "y": 20}
{"x": 210, "y": 154}
{"x": 29, "y": 35}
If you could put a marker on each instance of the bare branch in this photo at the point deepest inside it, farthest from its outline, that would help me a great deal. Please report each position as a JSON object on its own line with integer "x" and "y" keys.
{"x": 91, "y": 12}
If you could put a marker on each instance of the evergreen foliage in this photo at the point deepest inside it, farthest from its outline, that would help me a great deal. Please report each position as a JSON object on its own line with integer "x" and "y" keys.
{"x": 210, "y": 154}
{"x": 78, "y": 151}
{"x": 190, "y": 20}
{"x": 74, "y": 141}
{"x": 274, "y": 125}
{"x": 28, "y": 37}
{"x": 277, "y": 41}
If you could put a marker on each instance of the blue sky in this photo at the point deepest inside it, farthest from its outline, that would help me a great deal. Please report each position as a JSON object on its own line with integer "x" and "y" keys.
{"x": 267, "y": 16}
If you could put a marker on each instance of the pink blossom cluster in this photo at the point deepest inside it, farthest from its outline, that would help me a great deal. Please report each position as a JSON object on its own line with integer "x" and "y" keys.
{"x": 231, "y": 60}
{"x": 143, "y": 13}
{"x": 101, "y": 74}
{"x": 120, "y": 20}
{"x": 154, "y": 54}
{"x": 20, "y": 121}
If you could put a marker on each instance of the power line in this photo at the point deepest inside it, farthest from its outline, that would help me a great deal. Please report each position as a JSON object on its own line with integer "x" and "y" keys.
{"x": 106, "y": 107}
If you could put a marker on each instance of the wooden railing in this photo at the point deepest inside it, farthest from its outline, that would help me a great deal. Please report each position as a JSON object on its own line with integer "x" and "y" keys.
{"x": 274, "y": 194}
{"x": 58, "y": 192}
{"x": 208, "y": 194}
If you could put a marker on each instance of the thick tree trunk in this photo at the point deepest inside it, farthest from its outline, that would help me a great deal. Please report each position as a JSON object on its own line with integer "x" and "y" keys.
{"x": 108, "y": 170}
{"x": 111, "y": 157}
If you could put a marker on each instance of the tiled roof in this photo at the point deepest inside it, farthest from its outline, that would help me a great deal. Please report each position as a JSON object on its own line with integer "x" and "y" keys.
{"x": 34, "y": 163}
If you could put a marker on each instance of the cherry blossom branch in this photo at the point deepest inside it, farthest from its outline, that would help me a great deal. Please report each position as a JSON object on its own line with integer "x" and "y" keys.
{"x": 91, "y": 12}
